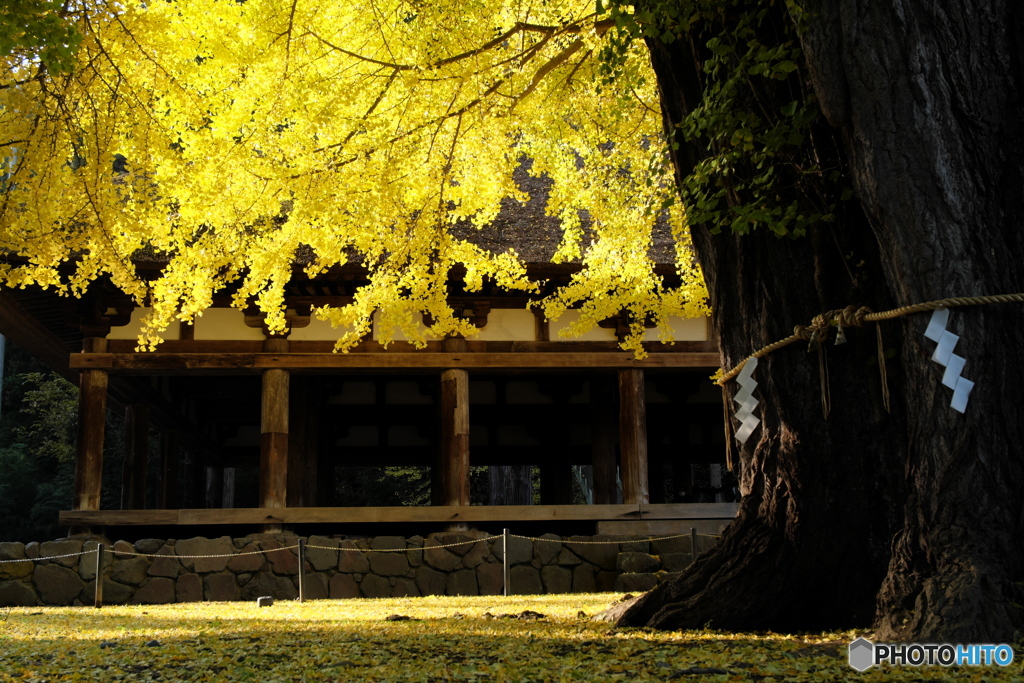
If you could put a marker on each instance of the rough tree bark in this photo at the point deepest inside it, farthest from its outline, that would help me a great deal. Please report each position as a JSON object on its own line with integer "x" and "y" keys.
{"x": 911, "y": 520}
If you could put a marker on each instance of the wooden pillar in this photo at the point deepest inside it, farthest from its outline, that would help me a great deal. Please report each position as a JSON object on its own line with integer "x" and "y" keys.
{"x": 274, "y": 428}
{"x": 170, "y": 459}
{"x": 453, "y": 467}
{"x": 136, "y": 456}
{"x": 602, "y": 440}
{"x": 92, "y": 411}
{"x": 633, "y": 436}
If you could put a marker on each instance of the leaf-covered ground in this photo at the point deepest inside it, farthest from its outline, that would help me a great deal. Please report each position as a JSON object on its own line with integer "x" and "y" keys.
{"x": 413, "y": 639}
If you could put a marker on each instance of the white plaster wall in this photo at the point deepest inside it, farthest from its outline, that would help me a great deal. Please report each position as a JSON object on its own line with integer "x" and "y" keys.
{"x": 317, "y": 330}
{"x": 683, "y": 329}
{"x": 134, "y": 327}
{"x": 225, "y": 324}
{"x": 509, "y": 324}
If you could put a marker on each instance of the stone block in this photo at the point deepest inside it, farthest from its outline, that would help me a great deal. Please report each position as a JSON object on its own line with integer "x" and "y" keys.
{"x": 439, "y": 558}
{"x": 628, "y": 545}
{"x": 189, "y": 588}
{"x": 520, "y": 550}
{"x": 17, "y": 594}
{"x": 388, "y": 543}
{"x": 159, "y": 590}
{"x": 525, "y": 580}
{"x": 64, "y": 546}
{"x": 567, "y": 558}
{"x": 545, "y": 551}
{"x": 220, "y": 587}
{"x": 637, "y": 563}
{"x": 583, "y": 579}
{"x": 389, "y": 564}
{"x": 87, "y": 562}
{"x": 405, "y": 588}
{"x": 166, "y": 564}
{"x": 114, "y": 593}
{"x": 266, "y": 583}
{"x": 321, "y": 560}
{"x": 373, "y": 586}
{"x": 132, "y": 571}
{"x": 429, "y": 582}
{"x": 490, "y": 579}
{"x": 148, "y": 546}
{"x": 605, "y": 581}
{"x": 676, "y": 562}
{"x": 343, "y": 586}
{"x": 352, "y": 560}
{"x": 123, "y": 550}
{"x": 56, "y": 584}
{"x": 415, "y": 556}
{"x": 477, "y": 554}
{"x": 635, "y": 583}
{"x": 602, "y": 550}
{"x": 248, "y": 560}
{"x": 316, "y": 587}
{"x": 556, "y": 579}
{"x": 463, "y": 539}
{"x": 462, "y": 582}
{"x": 12, "y": 550}
{"x": 15, "y": 571}
{"x": 205, "y": 546}
{"x": 32, "y": 550}
{"x": 282, "y": 562}
{"x": 679, "y": 544}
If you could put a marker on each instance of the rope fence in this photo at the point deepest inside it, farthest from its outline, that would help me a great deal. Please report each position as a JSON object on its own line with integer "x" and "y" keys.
{"x": 301, "y": 547}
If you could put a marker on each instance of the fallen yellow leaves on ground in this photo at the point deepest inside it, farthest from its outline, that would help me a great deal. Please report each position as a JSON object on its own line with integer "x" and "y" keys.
{"x": 518, "y": 638}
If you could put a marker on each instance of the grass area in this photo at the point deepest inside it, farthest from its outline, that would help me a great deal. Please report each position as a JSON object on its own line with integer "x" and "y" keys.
{"x": 442, "y": 639}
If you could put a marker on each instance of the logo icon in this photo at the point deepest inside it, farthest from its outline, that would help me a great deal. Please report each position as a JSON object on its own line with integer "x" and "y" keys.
{"x": 862, "y": 654}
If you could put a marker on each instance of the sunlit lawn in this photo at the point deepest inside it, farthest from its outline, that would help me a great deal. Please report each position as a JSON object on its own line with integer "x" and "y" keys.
{"x": 446, "y": 638}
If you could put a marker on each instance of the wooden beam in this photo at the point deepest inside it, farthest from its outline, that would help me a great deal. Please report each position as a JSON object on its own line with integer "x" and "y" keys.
{"x": 274, "y": 436}
{"x": 453, "y": 466}
{"x": 355, "y": 515}
{"x": 633, "y": 436}
{"x": 215, "y": 346}
{"x": 241, "y": 363}
{"x": 136, "y": 456}
{"x": 689, "y": 510}
{"x": 366, "y": 515}
{"x": 92, "y": 413}
{"x": 30, "y": 334}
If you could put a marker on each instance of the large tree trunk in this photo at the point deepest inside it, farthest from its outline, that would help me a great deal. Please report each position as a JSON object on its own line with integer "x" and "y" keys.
{"x": 918, "y": 512}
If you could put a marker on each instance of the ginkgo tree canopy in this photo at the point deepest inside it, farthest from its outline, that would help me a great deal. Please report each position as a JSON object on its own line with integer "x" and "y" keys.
{"x": 224, "y": 136}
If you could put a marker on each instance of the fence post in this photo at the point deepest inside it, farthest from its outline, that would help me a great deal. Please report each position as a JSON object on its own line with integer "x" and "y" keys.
{"x": 506, "y": 575}
{"x": 693, "y": 545}
{"x": 302, "y": 570}
{"x": 99, "y": 576}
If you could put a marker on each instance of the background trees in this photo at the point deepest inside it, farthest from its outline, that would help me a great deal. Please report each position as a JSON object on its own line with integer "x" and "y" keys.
{"x": 227, "y": 138}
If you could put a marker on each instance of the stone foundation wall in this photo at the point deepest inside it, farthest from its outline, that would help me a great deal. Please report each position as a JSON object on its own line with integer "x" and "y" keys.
{"x": 255, "y": 566}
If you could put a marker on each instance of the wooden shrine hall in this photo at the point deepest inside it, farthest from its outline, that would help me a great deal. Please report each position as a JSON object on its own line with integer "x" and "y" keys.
{"x": 226, "y": 425}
